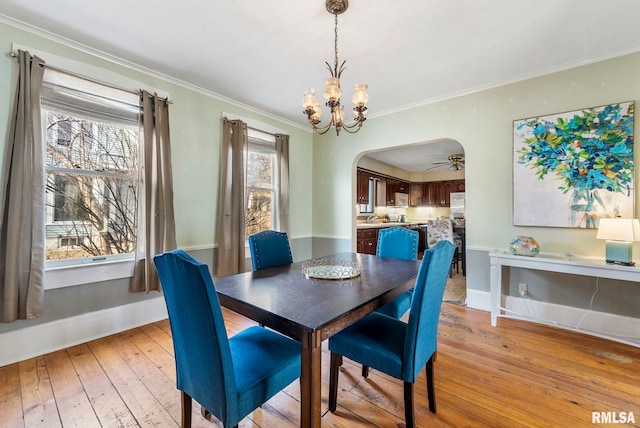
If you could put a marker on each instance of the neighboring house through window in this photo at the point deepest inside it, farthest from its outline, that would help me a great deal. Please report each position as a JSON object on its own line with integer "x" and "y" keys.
{"x": 92, "y": 143}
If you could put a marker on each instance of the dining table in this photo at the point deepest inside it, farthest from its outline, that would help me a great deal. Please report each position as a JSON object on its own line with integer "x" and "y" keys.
{"x": 299, "y": 301}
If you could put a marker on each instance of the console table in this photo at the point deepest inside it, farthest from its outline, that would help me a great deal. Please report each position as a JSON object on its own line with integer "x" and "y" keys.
{"x": 592, "y": 268}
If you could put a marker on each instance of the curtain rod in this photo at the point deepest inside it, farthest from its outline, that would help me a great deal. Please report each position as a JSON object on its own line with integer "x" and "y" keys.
{"x": 260, "y": 130}
{"x": 253, "y": 128}
{"x": 89, "y": 79}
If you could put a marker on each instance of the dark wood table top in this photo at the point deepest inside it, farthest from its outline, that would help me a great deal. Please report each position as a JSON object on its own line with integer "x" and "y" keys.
{"x": 284, "y": 299}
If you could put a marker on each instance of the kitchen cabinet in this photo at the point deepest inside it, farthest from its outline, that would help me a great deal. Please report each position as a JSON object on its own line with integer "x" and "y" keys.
{"x": 421, "y": 195}
{"x": 415, "y": 195}
{"x": 395, "y": 186}
{"x": 434, "y": 193}
{"x": 392, "y": 185}
{"x": 362, "y": 186}
{"x": 458, "y": 185}
{"x": 402, "y": 186}
{"x": 367, "y": 241}
{"x": 437, "y": 190}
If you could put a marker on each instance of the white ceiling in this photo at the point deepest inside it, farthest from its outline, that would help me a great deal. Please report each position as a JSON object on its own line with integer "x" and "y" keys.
{"x": 432, "y": 156}
{"x": 265, "y": 53}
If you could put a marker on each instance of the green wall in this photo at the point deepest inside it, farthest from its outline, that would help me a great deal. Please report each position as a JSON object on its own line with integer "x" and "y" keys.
{"x": 195, "y": 138}
{"x": 483, "y": 123}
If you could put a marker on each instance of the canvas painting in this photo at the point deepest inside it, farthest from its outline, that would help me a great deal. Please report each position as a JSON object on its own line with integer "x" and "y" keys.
{"x": 571, "y": 169}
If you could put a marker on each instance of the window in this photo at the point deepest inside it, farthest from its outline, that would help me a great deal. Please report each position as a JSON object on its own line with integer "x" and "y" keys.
{"x": 261, "y": 188}
{"x": 92, "y": 139}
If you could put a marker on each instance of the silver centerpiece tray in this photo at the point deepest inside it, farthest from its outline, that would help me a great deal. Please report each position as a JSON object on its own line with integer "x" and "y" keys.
{"x": 330, "y": 268}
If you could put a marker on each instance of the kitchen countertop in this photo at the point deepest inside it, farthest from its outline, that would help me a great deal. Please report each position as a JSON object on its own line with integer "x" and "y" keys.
{"x": 396, "y": 223}
{"x": 388, "y": 224}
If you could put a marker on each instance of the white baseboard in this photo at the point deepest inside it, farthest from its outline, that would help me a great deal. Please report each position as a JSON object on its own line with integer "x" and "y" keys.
{"x": 609, "y": 326}
{"x": 601, "y": 324}
{"x": 477, "y": 299}
{"x": 41, "y": 339}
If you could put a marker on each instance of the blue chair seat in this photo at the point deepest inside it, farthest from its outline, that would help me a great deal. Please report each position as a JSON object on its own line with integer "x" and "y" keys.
{"x": 380, "y": 351}
{"x": 260, "y": 354}
{"x": 398, "y": 306}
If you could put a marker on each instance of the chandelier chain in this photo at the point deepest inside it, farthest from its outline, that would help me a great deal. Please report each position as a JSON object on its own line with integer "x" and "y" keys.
{"x": 335, "y": 61}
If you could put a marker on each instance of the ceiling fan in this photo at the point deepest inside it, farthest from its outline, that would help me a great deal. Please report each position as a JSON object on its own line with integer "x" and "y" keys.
{"x": 455, "y": 162}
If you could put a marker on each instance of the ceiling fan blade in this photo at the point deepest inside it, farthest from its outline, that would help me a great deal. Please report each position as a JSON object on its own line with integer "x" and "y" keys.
{"x": 434, "y": 166}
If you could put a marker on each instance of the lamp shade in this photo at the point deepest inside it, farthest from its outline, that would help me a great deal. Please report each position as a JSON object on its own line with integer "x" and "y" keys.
{"x": 619, "y": 229}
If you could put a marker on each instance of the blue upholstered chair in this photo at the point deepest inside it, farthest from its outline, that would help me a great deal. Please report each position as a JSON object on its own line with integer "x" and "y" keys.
{"x": 399, "y": 243}
{"x": 396, "y": 348}
{"x": 228, "y": 377}
{"x": 269, "y": 248}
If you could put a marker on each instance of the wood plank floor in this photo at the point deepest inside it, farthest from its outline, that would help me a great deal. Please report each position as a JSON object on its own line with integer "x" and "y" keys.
{"x": 518, "y": 374}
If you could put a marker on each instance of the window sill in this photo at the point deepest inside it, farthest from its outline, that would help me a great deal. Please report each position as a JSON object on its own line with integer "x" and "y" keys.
{"x": 68, "y": 276}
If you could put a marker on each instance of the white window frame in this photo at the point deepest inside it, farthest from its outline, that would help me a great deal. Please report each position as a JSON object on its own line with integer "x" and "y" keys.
{"x": 94, "y": 270}
{"x": 263, "y": 146}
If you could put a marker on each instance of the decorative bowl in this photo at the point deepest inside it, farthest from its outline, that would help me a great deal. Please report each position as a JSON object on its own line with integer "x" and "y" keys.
{"x": 524, "y": 246}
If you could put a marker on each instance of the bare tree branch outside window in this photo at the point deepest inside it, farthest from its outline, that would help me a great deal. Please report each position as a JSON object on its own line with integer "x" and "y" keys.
{"x": 92, "y": 190}
{"x": 260, "y": 191}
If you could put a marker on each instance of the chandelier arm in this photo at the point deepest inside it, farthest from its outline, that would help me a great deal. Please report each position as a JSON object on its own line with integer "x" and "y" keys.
{"x": 324, "y": 129}
{"x": 353, "y": 128}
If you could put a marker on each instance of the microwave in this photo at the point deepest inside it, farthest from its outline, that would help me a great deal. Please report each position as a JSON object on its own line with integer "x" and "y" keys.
{"x": 402, "y": 200}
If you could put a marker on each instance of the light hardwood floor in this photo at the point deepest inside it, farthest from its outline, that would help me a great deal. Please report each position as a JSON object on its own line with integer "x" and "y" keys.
{"x": 518, "y": 374}
{"x": 456, "y": 289}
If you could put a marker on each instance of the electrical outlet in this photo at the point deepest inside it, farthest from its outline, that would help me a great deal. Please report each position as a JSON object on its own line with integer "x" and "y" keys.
{"x": 523, "y": 289}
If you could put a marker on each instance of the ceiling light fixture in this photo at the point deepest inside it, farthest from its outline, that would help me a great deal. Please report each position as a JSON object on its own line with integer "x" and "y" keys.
{"x": 457, "y": 161}
{"x": 332, "y": 91}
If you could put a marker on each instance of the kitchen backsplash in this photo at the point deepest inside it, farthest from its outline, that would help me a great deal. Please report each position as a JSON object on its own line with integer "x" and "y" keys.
{"x": 411, "y": 214}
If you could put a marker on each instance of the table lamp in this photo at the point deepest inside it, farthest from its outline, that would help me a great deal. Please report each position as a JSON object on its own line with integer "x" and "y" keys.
{"x": 619, "y": 234}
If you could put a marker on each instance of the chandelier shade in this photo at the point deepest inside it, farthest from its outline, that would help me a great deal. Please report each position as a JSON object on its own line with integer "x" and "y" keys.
{"x": 332, "y": 91}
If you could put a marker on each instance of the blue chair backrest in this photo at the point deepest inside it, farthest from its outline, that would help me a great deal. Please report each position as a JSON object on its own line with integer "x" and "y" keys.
{"x": 269, "y": 248}
{"x": 398, "y": 242}
{"x": 422, "y": 329}
{"x": 204, "y": 367}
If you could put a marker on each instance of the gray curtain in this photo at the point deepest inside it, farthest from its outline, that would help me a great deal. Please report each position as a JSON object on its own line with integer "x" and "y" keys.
{"x": 282, "y": 156}
{"x": 22, "y": 235}
{"x": 156, "y": 222}
{"x": 231, "y": 230}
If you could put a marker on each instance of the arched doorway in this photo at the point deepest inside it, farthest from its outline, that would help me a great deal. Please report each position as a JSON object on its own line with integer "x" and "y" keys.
{"x": 436, "y": 166}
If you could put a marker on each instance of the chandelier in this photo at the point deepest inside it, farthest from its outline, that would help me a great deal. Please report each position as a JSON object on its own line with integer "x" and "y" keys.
{"x": 332, "y": 91}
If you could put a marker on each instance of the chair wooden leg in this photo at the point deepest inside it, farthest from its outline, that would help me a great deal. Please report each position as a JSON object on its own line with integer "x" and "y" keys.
{"x": 334, "y": 367}
{"x": 431, "y": 392}
{"x": 205, "y": 413}
{"x": 365, "y": 371}
{"x": 409, "y": 419}
{"x": 186, "y": 409}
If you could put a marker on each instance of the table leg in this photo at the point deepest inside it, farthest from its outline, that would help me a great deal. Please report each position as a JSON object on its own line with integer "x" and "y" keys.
{"x": 310, "y": 382}
{"x": 495, "y": 281}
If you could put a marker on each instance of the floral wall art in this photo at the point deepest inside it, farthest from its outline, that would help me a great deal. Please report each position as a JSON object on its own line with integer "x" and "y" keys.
{"x": 571, "y": 169}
